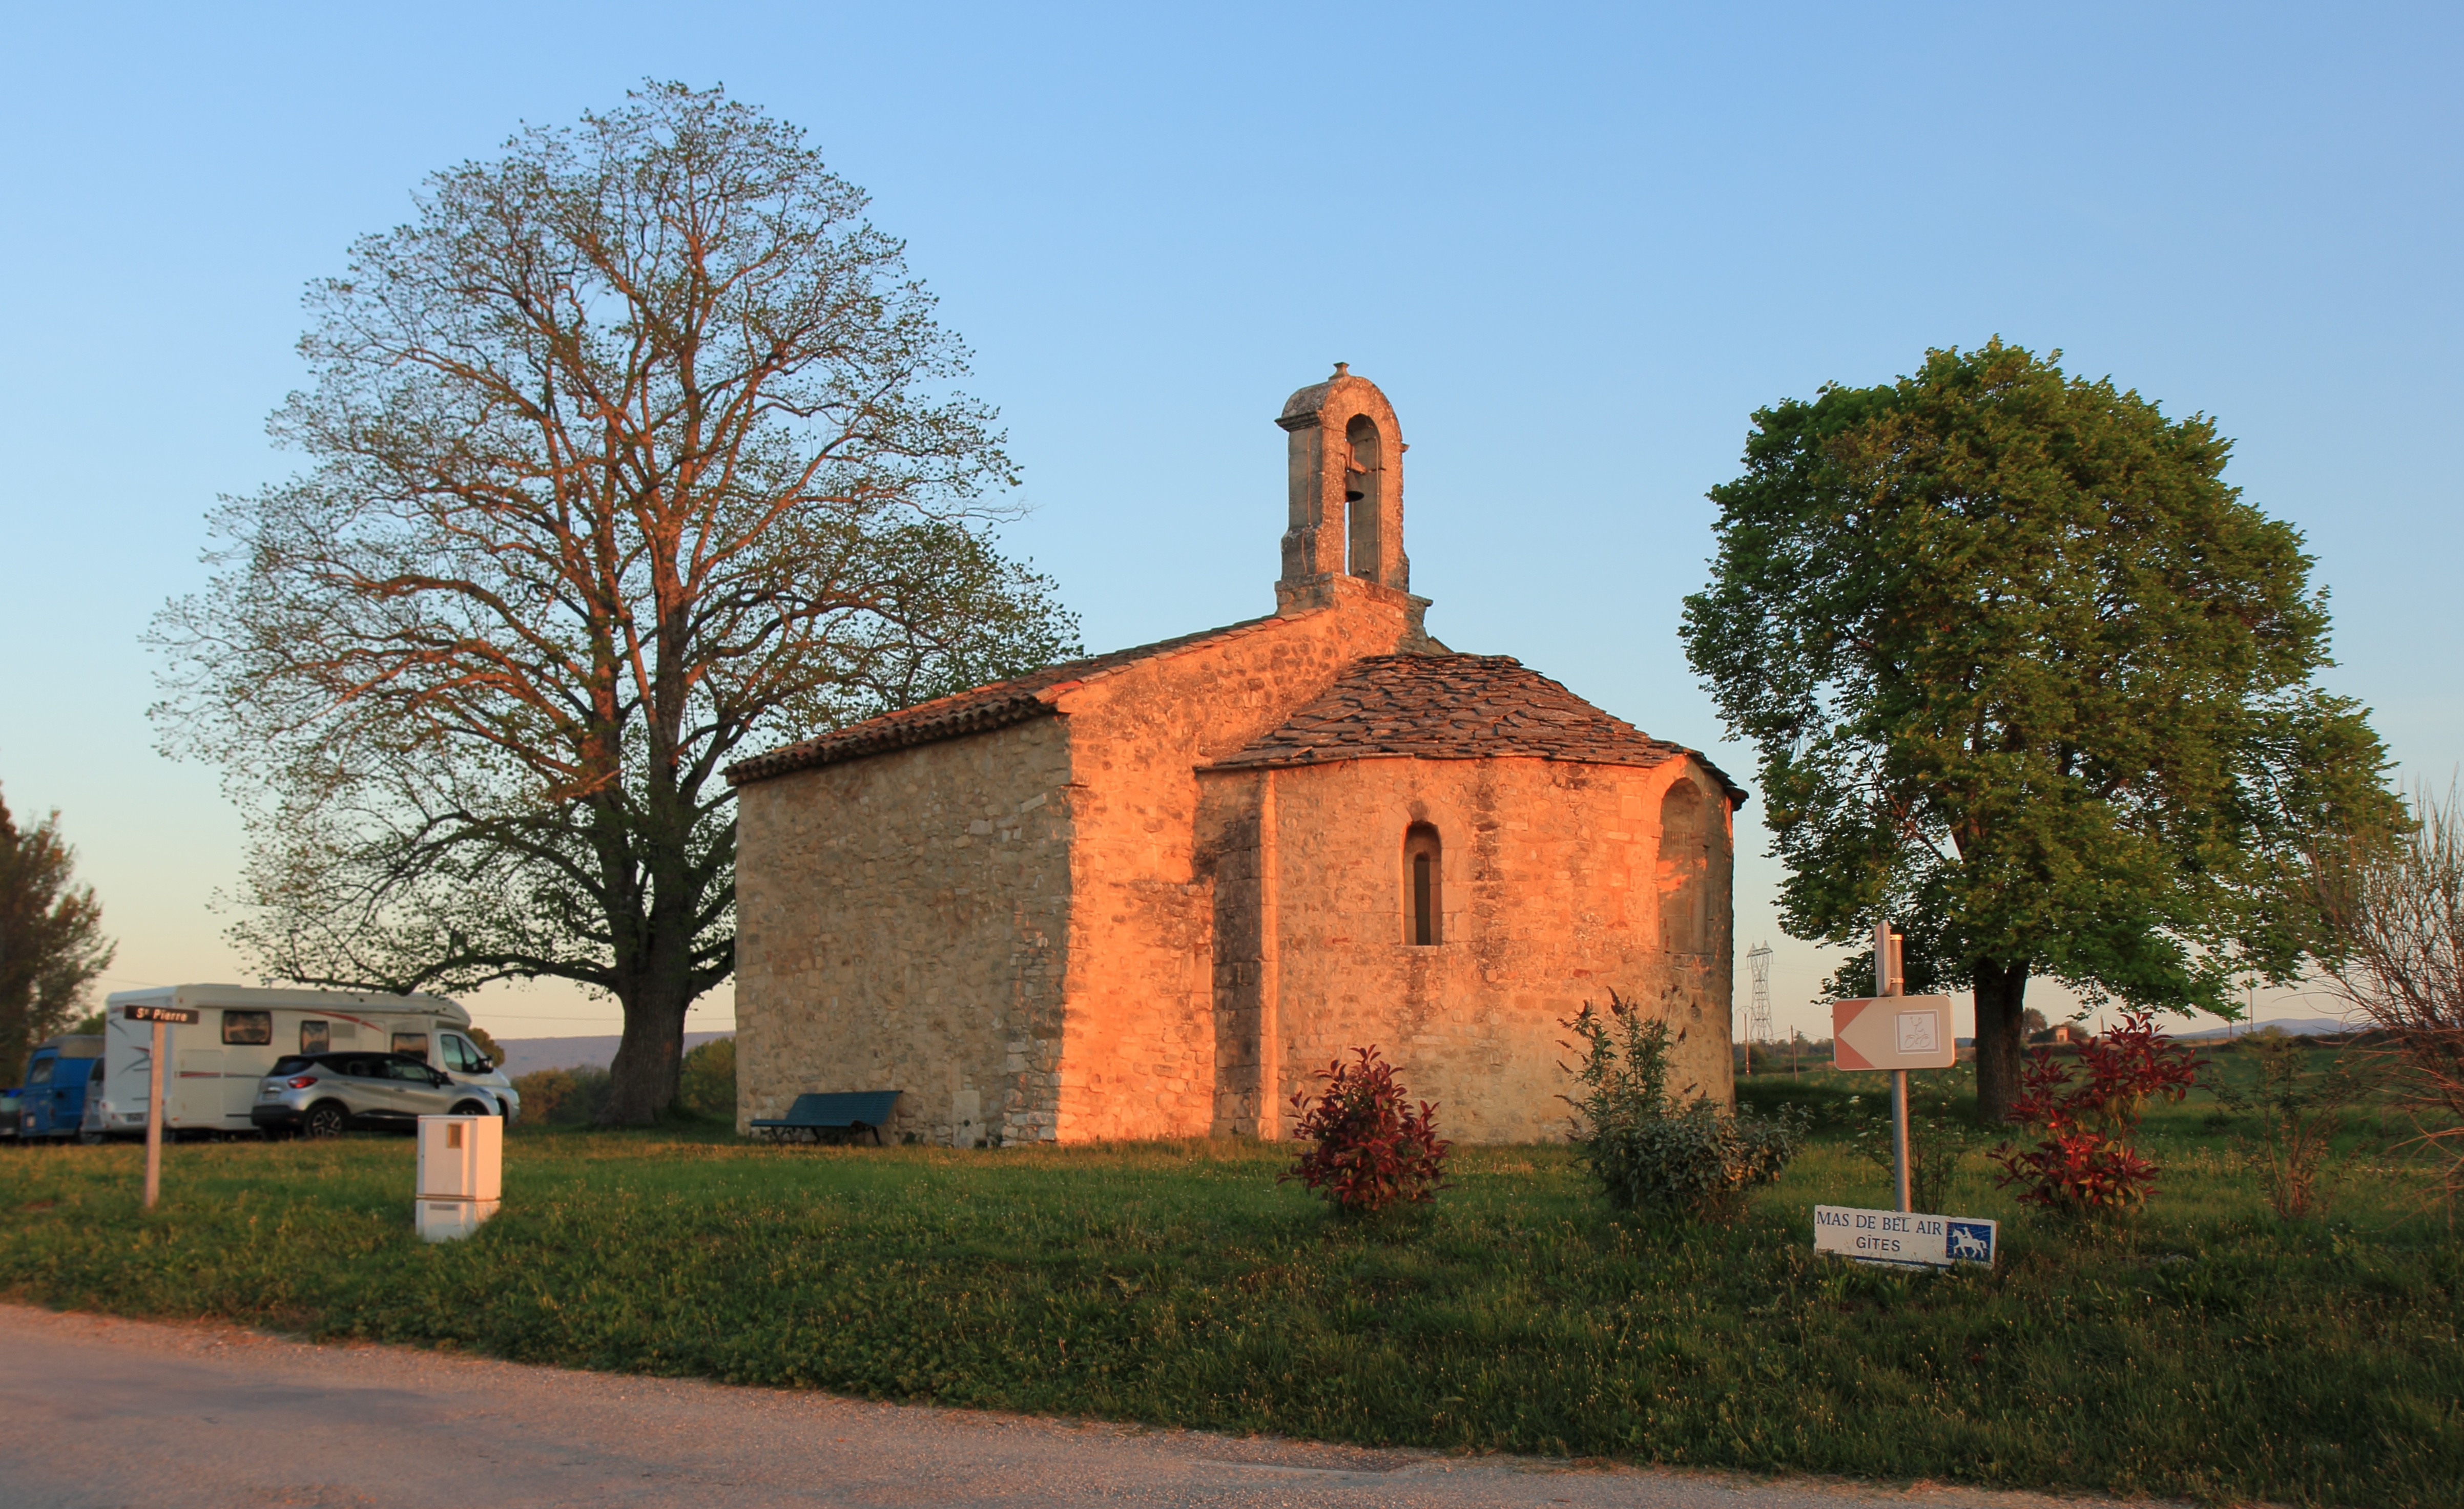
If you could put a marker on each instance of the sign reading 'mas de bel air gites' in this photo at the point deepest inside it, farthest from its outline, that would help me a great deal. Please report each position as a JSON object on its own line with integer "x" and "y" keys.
{"x": 1903, "y": 1237}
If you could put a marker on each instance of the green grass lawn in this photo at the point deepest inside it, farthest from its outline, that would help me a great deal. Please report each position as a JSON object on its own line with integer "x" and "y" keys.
{"x": 2205, "y": 1349}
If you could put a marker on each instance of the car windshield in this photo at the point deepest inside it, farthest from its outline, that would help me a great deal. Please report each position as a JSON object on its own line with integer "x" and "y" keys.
{"x": 291, "y": 1065}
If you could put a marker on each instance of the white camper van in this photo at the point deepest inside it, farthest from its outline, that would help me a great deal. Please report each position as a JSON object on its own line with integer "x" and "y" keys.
{"x": 210, "y": 1082}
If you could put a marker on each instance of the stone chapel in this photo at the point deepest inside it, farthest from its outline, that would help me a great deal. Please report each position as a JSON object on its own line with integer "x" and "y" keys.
{"x": 1153, "y": 893}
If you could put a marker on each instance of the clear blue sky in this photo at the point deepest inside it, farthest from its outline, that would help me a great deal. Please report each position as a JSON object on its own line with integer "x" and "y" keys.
{"x": 1576, "y": 247}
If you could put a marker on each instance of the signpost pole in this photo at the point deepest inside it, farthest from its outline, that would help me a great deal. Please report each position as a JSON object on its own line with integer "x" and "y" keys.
{"x": 154, "y": 1121}
{"x": 1891, "y": 1032}
{"x": 1886, "y": 983}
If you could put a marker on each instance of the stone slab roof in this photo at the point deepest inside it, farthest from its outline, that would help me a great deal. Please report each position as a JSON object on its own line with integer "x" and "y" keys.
{"x": 996, "y": 704}
{"x": 1456, "y": 707}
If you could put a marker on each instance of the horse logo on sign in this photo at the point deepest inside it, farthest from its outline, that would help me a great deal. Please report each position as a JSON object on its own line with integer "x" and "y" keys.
{"x": 1970, "y": 1241}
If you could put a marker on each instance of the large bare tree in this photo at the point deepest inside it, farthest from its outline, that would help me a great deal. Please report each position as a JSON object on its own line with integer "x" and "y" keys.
{"x": 636, "y": 445}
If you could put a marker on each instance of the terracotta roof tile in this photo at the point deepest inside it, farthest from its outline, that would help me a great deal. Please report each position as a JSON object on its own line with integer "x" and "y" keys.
{"x": 1456, "y": 707}
{"x": 996, "y": 704}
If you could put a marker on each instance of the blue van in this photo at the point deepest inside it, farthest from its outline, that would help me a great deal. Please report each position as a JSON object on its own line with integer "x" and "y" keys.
{"x": 51, "y": 1101}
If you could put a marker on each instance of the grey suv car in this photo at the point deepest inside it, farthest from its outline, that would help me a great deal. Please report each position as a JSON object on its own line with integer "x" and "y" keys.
{"x": 321, "y": 1094}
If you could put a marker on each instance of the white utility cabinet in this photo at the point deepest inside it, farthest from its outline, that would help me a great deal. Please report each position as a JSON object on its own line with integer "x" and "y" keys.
{"x": 461, "y": 1174}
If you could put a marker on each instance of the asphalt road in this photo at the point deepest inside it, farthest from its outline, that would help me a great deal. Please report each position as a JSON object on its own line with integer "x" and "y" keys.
{"x": 101, "y": 1412}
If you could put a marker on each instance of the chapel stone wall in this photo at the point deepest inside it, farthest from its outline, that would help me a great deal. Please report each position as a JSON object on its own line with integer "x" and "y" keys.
{"x": 903, "y": 923}
{"x": 1554, "y": 884}
{"x": 1141, "y": 1054}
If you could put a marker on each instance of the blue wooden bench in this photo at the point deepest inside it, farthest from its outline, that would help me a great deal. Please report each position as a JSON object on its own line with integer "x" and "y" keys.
{"x": 814, "y": 1114}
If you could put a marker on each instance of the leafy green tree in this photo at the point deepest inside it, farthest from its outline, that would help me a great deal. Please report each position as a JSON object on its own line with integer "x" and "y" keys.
{"x": 706, "y": 1087}
{"x": 636, "y": 447}
{"x": 2027, "y": 676}
{"x": 51, "y": 946}
{"x": 486, "y": 1044}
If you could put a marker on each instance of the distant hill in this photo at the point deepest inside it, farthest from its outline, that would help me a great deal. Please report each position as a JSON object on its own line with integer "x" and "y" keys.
{"x": 2294, "y": 1026}
{"x": 530, "y": 1055}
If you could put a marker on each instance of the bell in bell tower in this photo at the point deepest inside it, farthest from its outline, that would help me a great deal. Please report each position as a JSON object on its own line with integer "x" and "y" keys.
{"x": 1346, "y": 475}
{"x": 1362, "y": 481}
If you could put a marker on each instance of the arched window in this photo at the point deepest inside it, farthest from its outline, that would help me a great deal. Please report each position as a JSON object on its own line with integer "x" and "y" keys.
{"x": 1424, "y": 880}
{"x": 1363, "y": 489}
{"x": 1684, "y": 870}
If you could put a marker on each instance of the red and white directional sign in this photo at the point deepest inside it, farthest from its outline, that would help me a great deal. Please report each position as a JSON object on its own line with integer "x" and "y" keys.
{"x": 1892, "y": 1032}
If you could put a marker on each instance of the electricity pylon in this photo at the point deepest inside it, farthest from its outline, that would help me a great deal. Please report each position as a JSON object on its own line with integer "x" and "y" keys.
{"x": 1758, "y": 1022}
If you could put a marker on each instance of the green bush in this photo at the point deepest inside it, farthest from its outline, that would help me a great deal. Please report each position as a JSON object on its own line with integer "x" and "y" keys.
{"x": 706, "y": 1083}
{"x": 706, "y": 1087}
{"x": 561, "y": 1097}
{"x": 1648, "y": 1151}
{"x": 2301, "y": 1109}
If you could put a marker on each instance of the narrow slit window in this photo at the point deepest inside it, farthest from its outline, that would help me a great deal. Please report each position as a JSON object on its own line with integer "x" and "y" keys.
{"x": 1424, "y": 911}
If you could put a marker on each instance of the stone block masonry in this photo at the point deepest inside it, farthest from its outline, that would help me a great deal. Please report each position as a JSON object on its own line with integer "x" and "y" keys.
{"x": 1552, "y": 876}
{"x": 903, "y": 924}
{"x": 1152, "y": 894}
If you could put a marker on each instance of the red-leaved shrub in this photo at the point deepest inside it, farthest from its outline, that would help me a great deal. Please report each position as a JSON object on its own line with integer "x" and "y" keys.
{"x": 2084, "y": 1164}
{"x": 1371, "y": 1149}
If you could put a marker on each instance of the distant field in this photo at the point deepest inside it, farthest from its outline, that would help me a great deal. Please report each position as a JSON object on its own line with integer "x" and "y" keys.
{"x": 2205, "y": 1352}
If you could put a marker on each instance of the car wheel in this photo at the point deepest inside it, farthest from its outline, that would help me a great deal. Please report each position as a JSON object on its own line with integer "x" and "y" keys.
{"x": 324, "y": 1119}
{"x": 470, "y": 1108}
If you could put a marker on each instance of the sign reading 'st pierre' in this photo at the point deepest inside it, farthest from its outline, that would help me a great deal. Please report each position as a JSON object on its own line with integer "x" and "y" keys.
{"x": 1903, "y": 1237}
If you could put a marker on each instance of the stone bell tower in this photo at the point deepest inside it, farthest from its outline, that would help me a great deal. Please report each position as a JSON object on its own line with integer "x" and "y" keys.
{"x": 1346, "y": 492}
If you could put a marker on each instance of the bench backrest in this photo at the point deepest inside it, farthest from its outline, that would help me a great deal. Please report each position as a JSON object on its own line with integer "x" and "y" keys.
{"x": 844, "y": 1108}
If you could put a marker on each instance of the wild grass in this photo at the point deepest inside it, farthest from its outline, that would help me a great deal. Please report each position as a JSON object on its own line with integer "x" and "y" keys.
{"x": 2205, "y": 1349}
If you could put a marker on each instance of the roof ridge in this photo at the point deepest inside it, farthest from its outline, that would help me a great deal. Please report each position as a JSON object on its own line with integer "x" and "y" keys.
{"x": 996, "y": 704}
{"x": 1456, "y": 707}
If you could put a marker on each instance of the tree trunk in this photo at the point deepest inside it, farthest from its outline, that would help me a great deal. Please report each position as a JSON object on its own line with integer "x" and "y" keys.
{"x": 2001, "y": 1036}
{"x": 650, "y": 1057}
